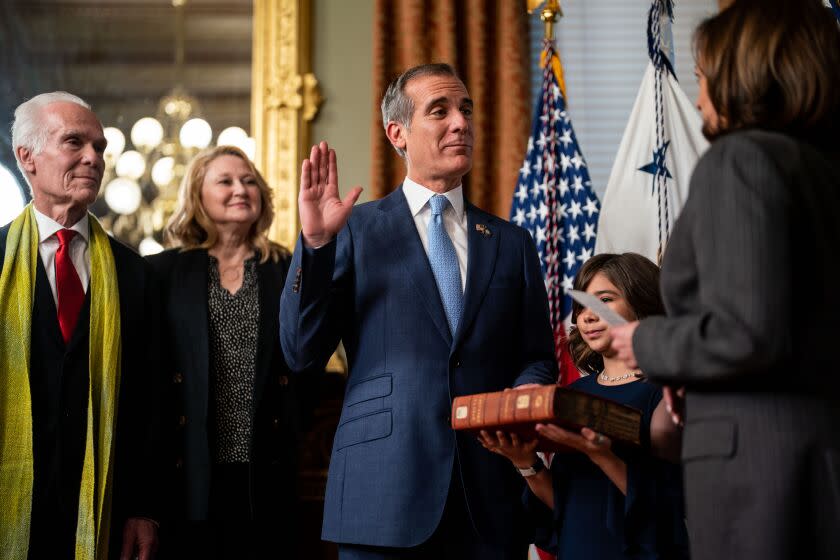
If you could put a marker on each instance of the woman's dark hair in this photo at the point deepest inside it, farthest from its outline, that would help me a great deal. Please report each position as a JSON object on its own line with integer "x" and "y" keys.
{"x": 636, "y": 277}
{"x": 773, "y": 64}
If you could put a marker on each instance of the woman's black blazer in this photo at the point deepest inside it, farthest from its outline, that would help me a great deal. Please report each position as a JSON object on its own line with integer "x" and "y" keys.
{"x": 186, "y": 353}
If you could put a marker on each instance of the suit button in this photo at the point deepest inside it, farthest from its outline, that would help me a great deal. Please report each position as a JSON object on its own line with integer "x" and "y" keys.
{"x": 275, "y": 423}
{"x": 182, "y": 421}
{"x": 177, "y": 378}
{"x": 283, "y": 380}
{"x": 457, "y": 363}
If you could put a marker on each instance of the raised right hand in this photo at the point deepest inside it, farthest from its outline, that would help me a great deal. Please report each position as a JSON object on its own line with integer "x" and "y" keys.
{"x": 322, "y": 212}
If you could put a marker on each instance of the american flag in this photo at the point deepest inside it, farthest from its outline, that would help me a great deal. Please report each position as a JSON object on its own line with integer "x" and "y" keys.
{"x": 554, "y": 200}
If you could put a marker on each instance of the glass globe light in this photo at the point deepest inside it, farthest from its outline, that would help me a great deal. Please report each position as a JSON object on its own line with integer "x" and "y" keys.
{"x": 116, "y": 143}
{"x": 131, "y": 164}
{"x": 123, "y": 195}
{"x": 147, "y": 133}
{"x": 163, "y": 171}
{"x": 196, "y": 133}
{"x": 149, "y": 247}
{"x": 232, "y": 136}
{"x": 249, "y": 146}
{"x": 11, "y": 197}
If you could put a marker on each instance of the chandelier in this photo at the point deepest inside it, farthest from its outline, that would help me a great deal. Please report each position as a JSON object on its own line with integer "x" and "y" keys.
{"x": 141, "y": 184}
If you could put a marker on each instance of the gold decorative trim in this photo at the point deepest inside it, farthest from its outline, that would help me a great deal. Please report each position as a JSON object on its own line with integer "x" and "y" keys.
{"x": 285, "y": 97}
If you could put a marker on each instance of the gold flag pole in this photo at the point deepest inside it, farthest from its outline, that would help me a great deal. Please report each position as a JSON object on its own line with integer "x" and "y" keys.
{"x": 548, "y": 14}
{"x": 550, "y": 11}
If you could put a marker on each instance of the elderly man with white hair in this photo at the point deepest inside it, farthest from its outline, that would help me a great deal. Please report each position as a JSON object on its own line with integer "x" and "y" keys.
{"x": 79, "y": 317}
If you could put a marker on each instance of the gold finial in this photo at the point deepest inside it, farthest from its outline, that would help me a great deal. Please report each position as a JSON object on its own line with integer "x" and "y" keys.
{"x": 549, "y": 13}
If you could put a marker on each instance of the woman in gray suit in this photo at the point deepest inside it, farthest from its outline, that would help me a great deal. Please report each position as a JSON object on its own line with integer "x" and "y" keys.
{"x": 749, "y": 281}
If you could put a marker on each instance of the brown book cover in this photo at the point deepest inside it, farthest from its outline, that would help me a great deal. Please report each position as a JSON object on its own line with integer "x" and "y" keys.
{"x": 518, "y": 411}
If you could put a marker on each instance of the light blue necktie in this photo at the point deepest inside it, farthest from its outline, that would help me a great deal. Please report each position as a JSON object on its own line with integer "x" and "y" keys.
{"x": 444, "y": 263}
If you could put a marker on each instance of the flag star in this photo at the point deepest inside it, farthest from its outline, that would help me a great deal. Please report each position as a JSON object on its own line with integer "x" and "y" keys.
{"x": 540, "y": 235}
{"x": 591, "y": 207}
{"x": 525, "y": 170}
{"x": 564, "y": 186}
{"x": 555, "y": 90}
{"x": 658, "y": 167}
{"x": 577, "y": 160}
{"x": 522, "y": 193}
{"x": 569, "y": 259}
{"x": 532, "y": 214}
{"x": 563, "y": 210}
{"x": 565, "y": 162}
{"x": 568, "y": 283}
{"x": 556, "y": 116}
{"x": 530, "y": 144}
{"x": 589, "y": 231}
{"x": 584, "y": 255}
{"x": 543, "y": 211}
{"x": 575, "y": 210}
{"x": 567, "y": 137}
{"x": 542, "y": 140}
{"x": 520, "y": 216}
{"x": 578, "y": 184}
{"x": 538, "y": 164}
{"x": 535, "y": 191}
{"x": 573, "y": 234}
{"x": 565, "y": 116}
{"x": 544, "y": 118}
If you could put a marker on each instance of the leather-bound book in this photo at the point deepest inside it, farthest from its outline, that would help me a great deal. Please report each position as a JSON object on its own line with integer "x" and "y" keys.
{"x": 519, "y": 410}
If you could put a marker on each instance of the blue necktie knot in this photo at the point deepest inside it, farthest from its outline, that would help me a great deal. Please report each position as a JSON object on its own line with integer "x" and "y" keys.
{"x": 438, "y": 204}
{"x": 444, "y": 261}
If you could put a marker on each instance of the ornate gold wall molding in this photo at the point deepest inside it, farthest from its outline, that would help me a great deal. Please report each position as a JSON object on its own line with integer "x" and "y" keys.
{"x": 284, "y": 99}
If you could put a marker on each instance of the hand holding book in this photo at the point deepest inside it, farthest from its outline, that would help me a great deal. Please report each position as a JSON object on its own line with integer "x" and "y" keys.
{"x": 520, "y": 411}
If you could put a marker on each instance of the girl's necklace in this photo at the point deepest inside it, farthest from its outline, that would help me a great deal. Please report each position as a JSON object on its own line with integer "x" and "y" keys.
{"x": 604, "y": 377}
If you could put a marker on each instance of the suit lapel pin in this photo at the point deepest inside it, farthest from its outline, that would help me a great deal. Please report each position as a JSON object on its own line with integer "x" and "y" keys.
{"x": 483, "y": 230}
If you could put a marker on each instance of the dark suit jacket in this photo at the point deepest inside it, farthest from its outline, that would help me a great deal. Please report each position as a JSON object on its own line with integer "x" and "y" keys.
{"x": 749, "y": 281}
{"x": 394, "y": 451}
{"x": 59, "y": 374}
{"x": 183, "y": 276}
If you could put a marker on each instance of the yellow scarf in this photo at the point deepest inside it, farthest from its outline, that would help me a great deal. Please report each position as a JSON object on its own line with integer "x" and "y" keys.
{"x": 17, "y": 292}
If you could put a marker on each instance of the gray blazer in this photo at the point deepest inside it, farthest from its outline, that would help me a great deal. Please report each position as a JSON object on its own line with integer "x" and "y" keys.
{"x": 750, "y": 287}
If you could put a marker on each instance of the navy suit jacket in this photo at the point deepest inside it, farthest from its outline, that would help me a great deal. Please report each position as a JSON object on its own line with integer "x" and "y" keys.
{"x": 394, "y": 450}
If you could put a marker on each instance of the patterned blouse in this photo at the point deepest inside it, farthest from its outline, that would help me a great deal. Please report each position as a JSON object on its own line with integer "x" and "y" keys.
{"x": 234, "y": 325}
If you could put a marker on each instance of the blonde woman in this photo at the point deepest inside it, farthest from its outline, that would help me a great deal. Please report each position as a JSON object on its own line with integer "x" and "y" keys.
{"x": 232, "y": 411}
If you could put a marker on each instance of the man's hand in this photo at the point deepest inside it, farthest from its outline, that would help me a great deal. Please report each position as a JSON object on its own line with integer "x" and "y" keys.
{"x": 622, "y": 343}
{"x": 521, "y": 453}
{"x": 139, "y": 539}
{"x": 322, "y": 212}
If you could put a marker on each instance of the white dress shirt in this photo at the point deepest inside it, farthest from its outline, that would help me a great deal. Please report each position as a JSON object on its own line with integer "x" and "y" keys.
{"x": 454, "y": 219}
{"x": 48, "y": 247}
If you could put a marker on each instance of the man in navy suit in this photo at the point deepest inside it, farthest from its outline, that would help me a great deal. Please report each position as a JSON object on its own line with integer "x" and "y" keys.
{"x": 433, "y": 299}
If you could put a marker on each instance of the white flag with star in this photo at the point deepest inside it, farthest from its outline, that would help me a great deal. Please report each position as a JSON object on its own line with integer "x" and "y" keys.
{"x": 648, "y": 185}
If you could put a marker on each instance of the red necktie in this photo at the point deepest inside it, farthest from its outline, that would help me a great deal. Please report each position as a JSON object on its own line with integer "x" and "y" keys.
{"x": 71, "y": 295}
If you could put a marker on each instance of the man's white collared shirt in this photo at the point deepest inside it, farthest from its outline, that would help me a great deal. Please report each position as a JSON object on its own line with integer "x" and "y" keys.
{"x": 48, "y": 247}
{"x": 454, "y": 219}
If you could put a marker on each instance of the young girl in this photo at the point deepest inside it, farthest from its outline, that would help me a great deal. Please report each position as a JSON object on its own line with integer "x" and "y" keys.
{"x": 608, "y": 503}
